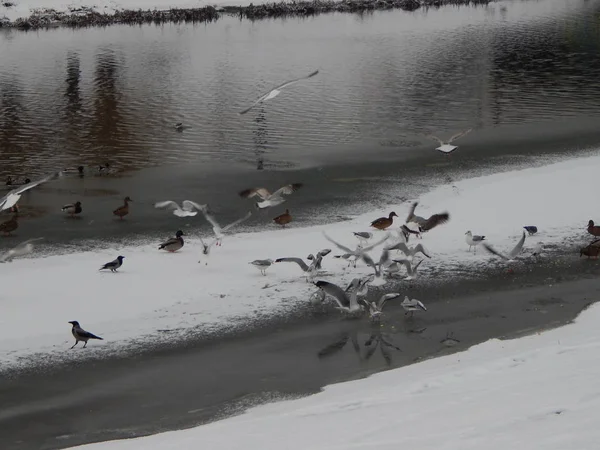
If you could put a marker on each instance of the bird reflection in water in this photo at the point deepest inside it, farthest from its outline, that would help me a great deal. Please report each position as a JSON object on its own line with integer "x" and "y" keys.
{"x": 260, "y": 138}
{"x": 376, "y": 339}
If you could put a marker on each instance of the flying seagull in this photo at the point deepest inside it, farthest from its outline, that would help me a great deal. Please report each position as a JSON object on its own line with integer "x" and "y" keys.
{"x": 113, "y": 265}
{"x": 376, "y": 309}
{"x": 346, "y": 303}
{"x": 363, "y": 237}
{"x": 410, "y": 306}
{"x": 512, "y": 254}
{"x": 81, "y": 335}
{"x": 276, "y": 91}
{"x": 473, "y": 240}
{"x": 426, "y": 224}
{"x": 206, "y": 248}
{"x": 219, "y": 232}
{"x": 24, "y": 248}
{"x": 445, "y": 147}
{"x": 314, "y": 266}
{"x": 11, "y": 199}
{"x": 268, "y": 199}
{"x": 185, "y": 210}
{"x": 411, "y": 270}
{"x": 410, "y": 251}
{"x": 360, "y": 250}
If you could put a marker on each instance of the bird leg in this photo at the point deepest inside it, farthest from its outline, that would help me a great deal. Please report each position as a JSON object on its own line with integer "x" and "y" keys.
{"x": 76, "y": 342}
{"x": 85, "y": 344}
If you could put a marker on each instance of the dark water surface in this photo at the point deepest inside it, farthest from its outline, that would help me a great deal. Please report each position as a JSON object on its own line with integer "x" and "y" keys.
{"x": 523, "y": 74}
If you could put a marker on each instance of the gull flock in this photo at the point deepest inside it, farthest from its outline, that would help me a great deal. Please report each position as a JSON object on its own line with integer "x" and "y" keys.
{"x": 395, "y": 261}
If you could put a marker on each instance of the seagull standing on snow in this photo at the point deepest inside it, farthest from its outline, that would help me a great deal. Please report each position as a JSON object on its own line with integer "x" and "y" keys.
{"x": 473, "y": 241}
{"x": 276, "y": 91}
{"x": 185, "y": 210}
{"x": 113, "y": 265}
{"x": 24, "y": 248}
{"x": 268, "y": 199}
{"x": 81, "y": 335}
{"x": 217, "y": 228}
{"x": 512, "y": 254}
{"x": 262, "y": 265}
{"x": 410, "y": 306}
{"x": 445, "y": 147}
{"x": 11, "y": 199}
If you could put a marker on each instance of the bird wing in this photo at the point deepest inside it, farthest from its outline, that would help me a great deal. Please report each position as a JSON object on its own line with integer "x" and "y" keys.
{"x": 518, "y": 248}
{"x": 353, "y": 300}
{"x": 237, "y": 222}
{"x": 9, "y": 200}
{"x": 384, "y": 259}
{"x": 400, "y": 246}
{"x": 85, "y": 334}
{"x": 210, "y": 218}
{"x": 435, "y": 220}
{"x": 411, "y": 213}
{"x": 416, "y": 266}
{"x": 338, "y": 245}
{"x": 372, "y": 246}
{"x": 405, "y": 262}
{"x": 459, "y": 135}
{"x": 369, "y": 262}
{"x": 420, "y": 248}
{"x": 435, "y": 138}
{"x": 253, "y": 192}
{"x": 333, "y": 290}
{"x": 260, "y": 99}
{"x": 287, "y": 189}
{"x": 324, "y": 252}
{"x": 298, "y": 261}
{"x": 294, "y": 81}
{"x": 420, "y": 304}
{"x": 189, "y": 205}
{"x": 168, "y": 242}
{"x": 493, "y": 251}
{"x": 167, "y": 204}
{"x": 384, "y": 298}
{"x": 19, "y": 250}
{"x": 363, "y": 234}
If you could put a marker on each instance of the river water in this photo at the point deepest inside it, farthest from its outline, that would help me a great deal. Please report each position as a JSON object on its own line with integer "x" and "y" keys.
{"x": 522, "y": 74}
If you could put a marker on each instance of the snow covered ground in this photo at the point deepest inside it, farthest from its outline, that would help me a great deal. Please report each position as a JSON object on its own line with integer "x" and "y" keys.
{"x": 163, "y": 294}
{"x": 25, "y": 8}
{"x": 537, "y": 392}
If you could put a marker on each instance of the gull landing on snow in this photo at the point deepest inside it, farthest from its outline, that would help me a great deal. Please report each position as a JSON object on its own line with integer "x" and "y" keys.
{"x": 185, "y": 210}
{"x": 512, "y": 254}
{"x": 219, "y": 232}
{"x": 445, "y": 146}
{"x": 277, "y": 90}
{"x": 312, "y": 269}
{"x": 347, "y": 304}
{"x": 262, "y": 265}
{"x": 376, "y": 309}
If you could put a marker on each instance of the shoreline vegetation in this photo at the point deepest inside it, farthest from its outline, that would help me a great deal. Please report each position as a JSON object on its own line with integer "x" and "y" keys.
{"x": 88, "y": 17}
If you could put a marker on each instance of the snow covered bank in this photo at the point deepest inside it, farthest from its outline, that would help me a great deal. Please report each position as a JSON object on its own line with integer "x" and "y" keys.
{"x": 537, "y": 392}
{"x": 168, "y": 294}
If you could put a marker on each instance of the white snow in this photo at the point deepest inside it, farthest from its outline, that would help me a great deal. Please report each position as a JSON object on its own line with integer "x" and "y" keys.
{"x": 537, "y": 392}
{"x": 25, "y": 8}
{"x": 164, "y": 294}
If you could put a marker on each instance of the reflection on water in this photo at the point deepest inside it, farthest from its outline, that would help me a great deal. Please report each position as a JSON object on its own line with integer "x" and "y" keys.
{"x": 386, "y": 80}
{"x": 364, "y": 345}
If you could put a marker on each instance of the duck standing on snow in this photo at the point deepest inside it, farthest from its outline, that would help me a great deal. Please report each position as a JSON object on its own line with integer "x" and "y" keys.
{"x": 122, "y": 211}
{"x": 10, "y": 225}
{"x": 283, "y": 219}
{"x": 173, "y": 244}
{"x": 81, "y": 335}
{"x": 113, "y": 265}
{"x": 384, "y": 222}
{"x": 72, "y": 208}
{"x": 594, "y": 230}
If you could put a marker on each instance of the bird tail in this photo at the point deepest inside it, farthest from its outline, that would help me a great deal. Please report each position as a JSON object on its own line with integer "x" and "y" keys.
{"x": 93, "y": 336}
{"x": 161, "y": 246}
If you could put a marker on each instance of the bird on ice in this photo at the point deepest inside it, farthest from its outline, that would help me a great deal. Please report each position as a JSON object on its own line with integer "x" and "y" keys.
{"x": 24, "y": 248}
{"x": 412, "y": 305}
{"x": 262, "y": 265}
{"x": 81, "y": 335}
{"x": 353, "y": 255}
{"x": 277, "y": 90}
{"x": 311, "y": 269}
{"x": 11, "y": 199}
{"x": 347, "y": 301}
{"x": 113, "y": 265}
{"x": 445, "y": 146}
{"x": 10, "y": 225}
{"x": 122, "y": 211}
{"x": 426, "y": 224}
{"x": 517, "y": 249}
{"x": 185, "y": 210}
{"x": 72, "y": 208}
{"x": 473, "y": 240}
{"x": 220, "y": 232}
{"x": 268, "y": 199}
{"x": 376, "y": 309}
{"x": 384, "y": 222}
{"x": 283, "y": 219}
{"x": 173, "y": 244}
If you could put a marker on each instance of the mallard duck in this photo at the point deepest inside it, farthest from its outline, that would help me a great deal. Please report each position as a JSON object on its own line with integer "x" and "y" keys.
{"x": 122, "y": 211}
{"x": 173, "y": 244}
{"x": 592, "y": 250}
{"x": 384, "y": 222}
{"x": 593, "y": 229}
{"x": 283, "y": 219}
{"x": 72, "y": 208}
{"x": 10, "y": 225}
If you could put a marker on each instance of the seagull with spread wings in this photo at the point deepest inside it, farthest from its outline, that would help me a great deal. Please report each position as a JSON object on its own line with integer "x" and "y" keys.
{"x": 429, "y": 223}
{"x": 11, "y": 199}
{"x": 517, "y": 249}
{"x": 347, "y": 302}
{"x": 277, "y": 90}
{"x": 185, "y": 210}
{"x": 220, "y": 232}
{"x": 376, "y": 309}
{"x": 315, "y": 265}
{"x": 24, "y": 248}
{"x": 268, "y": 199}
{"x": 445, "y": 146}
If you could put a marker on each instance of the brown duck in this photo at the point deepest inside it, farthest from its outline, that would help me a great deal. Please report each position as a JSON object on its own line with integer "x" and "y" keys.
{"x": 592, "y": 250}
{"x": 283, "y": 219}
{"x": 9, "y": 226}
{"x": 593, "y": 229}
{"x": 384, "y": 222}
{"x": 122, "y": 211}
